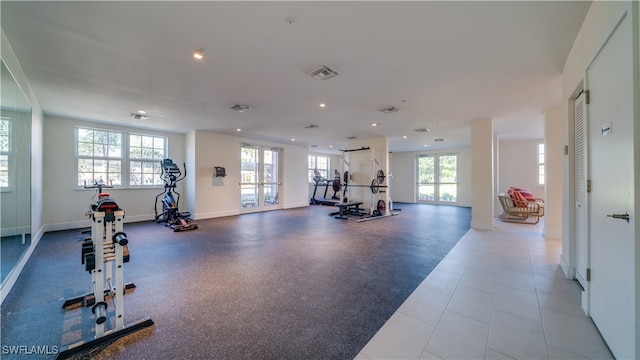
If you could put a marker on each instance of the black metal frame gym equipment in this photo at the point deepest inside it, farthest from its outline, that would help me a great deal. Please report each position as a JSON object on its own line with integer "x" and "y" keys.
{"x": 320, "y": 181}
{"x": 103, "y": 256}
{"x": 170, "y": 215}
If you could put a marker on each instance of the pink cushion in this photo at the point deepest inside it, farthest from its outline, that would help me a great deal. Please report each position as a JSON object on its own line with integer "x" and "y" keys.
{"x": 519, "y": 200}
{"x": 525, "y": 193}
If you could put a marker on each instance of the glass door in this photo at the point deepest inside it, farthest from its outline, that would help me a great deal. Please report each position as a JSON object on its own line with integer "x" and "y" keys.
{"x": 260, "y": 178}
{"x": 437, "y": 181}
{"x": 426, "y": 178}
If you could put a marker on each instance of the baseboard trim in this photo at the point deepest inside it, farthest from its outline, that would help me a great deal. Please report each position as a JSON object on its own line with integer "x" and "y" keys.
{"x": 215, "y": 214}
{"x": 295, "y": 205}
{"x": 482, "y": 225}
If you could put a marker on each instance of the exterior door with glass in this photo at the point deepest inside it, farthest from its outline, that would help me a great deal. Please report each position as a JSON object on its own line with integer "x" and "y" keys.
{"x": 260, "y": 178}
{"x": 437, "y": 179}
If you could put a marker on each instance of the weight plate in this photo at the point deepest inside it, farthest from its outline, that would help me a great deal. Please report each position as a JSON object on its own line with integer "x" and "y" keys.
{"x": 346, "y": 177}
{"x": 380, "y": 176}
{"x": 374, "y": 186}
{"x": 382, "y": 207}
{"x": 337, "y": 185}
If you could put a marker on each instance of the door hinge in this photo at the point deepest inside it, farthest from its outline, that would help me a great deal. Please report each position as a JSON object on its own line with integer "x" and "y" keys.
{"x": 588, "y": 185}
{"x": 587, "y": 98}
{"x": 588, "y": 274}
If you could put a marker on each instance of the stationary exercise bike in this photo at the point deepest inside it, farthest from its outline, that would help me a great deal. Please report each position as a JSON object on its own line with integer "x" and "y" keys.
{"x": 171, "y": 215}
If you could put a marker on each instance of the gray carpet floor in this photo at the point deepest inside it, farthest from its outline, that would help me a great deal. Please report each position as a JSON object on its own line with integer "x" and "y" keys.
{"x": 287, "y": 284}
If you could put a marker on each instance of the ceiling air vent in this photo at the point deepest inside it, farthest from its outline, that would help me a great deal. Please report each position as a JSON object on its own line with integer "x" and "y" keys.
{"x": 241, "y": 108}
{"x": 351, "y": 137}
{"x": 311, "y": 126}
{"x": 388, "y": 110}
{"x": 138, "y": 116}
{"x": 323, "y": 72}
{"x": 422, "y": 130}
{"x": 439, "y": 140}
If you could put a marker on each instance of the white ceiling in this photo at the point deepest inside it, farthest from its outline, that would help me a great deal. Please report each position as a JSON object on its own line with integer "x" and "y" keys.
{"x": 442, "y": 64}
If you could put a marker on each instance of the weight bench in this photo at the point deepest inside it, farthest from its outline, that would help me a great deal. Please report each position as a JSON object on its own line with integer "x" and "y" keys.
{"x": 348, "y": 208}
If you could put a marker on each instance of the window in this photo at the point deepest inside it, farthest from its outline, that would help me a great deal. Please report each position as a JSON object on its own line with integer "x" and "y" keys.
{"x": 437, "y": 178}
{"x": 145, "y": 156}
{"x": 540, "y": 164}
{"x": 99, "y": 156}
{"x": 5, "y": 149}
{"x": 102, "y": 156}
{"x": 320, "y": 163}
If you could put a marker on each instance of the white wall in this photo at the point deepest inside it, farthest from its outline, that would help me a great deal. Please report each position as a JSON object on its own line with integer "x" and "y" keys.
{"x": 217, "y": 197}
{"x": 65, "y": 204}
{"x": 554, "y": 157}
{"x": 519, "y": 165}
{"x": 402, "y": 166}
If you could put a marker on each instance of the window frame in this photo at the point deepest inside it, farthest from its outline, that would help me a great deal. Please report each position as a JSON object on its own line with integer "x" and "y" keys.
{"x": 436, "y": 181}
{"x": 541, "y": 153}
{"x": 125, "y": 157}
{"x": 9, "y": 154}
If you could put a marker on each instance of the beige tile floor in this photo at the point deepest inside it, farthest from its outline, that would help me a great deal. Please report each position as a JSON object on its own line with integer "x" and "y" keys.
{"x": 498, "y": 294}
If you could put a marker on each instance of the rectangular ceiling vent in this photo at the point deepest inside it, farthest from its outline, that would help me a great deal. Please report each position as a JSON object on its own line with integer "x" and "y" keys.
{"x": 138, "y": 116}
{"x": 323, "y": 72}
{"x": 388, "y": 110}
{"x": 241, "y": 108}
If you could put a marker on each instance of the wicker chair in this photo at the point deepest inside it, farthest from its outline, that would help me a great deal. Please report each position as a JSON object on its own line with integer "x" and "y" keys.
{"x": 517, "y": 211}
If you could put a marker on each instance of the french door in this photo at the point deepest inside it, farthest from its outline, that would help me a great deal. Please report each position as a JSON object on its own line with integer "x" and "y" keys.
{"x": 437, "y": 181}
{"x": 260, "y": 178}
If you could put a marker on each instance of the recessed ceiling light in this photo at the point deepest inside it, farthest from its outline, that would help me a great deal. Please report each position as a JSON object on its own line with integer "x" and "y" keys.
{"x": 330, "y": 146}
{"x": 404, "y": 137}
{"x": 322, "y": 105}
{"x": 238, "y": 129}
{"x": 425, "y": 145}
{"x": 142, "y": 111}
{"x": 198, "y": 54}
{"x": 374, "y": 124}
{"x": 293, "y": 139}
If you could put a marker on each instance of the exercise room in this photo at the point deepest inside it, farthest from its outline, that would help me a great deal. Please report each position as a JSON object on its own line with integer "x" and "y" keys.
{"x": 319, "y": 180}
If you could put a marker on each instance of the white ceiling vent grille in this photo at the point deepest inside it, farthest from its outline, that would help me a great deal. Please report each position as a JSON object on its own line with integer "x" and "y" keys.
{"x": 422, "y": 130}
{"x": 138, "y": 116}
{"x": 323, "y": 72}
{"x": 388, "y": 110}
{"x": 241, "y": 108}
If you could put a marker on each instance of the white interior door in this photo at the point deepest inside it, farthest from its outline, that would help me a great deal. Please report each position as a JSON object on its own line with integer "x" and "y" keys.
{"x": 611, "y": 169}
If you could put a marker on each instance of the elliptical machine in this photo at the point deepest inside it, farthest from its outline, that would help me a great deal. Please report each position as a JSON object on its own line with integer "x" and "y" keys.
{"x": 170, "y": 216}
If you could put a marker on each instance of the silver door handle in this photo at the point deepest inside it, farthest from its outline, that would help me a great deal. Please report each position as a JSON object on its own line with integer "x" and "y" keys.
{"x": 624, "y": 216}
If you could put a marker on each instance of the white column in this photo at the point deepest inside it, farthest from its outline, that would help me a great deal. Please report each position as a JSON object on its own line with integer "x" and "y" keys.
{"x": 554, "y": 155}
{"x": 482, "y": 174}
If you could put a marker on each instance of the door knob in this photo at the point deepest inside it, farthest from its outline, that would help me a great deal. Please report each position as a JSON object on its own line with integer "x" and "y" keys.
{"x": 624, "y": 216}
